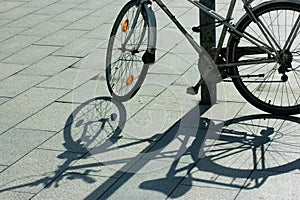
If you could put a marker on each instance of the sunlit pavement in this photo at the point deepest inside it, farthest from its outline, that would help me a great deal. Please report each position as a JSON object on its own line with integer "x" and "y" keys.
{"x": 63, "y": 137}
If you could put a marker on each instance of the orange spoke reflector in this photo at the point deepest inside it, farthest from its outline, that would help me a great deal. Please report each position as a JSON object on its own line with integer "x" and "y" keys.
{"x": 129, "y": 80}
{"x": 125, "y": 25}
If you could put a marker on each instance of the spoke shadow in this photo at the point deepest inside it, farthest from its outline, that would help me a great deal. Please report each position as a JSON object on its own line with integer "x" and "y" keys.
{"x": 95, "y": 124}
{"x": 244, "y": 153}
{"x": 240, "y": 153}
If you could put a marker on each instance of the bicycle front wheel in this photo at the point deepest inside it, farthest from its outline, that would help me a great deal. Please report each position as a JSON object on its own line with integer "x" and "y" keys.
{"x": 125, "y": 70}
{"x": 270, "y": 83}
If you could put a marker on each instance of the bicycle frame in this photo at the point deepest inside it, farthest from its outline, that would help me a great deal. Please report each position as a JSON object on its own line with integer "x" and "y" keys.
{"x": 268, "y": 49}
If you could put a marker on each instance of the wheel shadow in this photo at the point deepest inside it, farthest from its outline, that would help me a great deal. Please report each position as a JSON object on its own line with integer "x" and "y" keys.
{"x": 243, "y": 154}
{"x": 239, "y": 153}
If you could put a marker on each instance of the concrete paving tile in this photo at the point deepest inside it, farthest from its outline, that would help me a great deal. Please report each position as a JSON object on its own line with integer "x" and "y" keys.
{"x": 59, "y": 143}
{"x": 68, "y": 187}
{"x": 3, "y": 56}
{"x": 136, "y": 104}
{"x": 7, "y": 5}
{"x": 3, "y": 100}
{"x": 4, "y": 126}
{"x": 169, "y": 100}
{"x": 147, "y": 123}
{"x": 226, "y": 91}
{"x": 205, "y": 192}
{"x": 157, "y": 184}
{"x": 7, "y": 31}
{"x": 31, "y": 54}
{"x": 29, "y": 20}
{"x": 75, "y": 1}
{"x": 271, "y": 186}
{"x": 79, "y": 48}
{"x": 188, "y": 78}
{"x": 87, "y": 23}
{"x": 87, "y": 91}
{"x": 17, "y": 43}
{"x": 210, "y": 177}
{"x": 111, "y": 158}
{"x": 50, "y": 66}
{"x": 95, "y": 60}
{"x": 249, "y": 108}
{"x": 44, "y": 29}
{"x": 16, "y": 84}
{"x": 17, "y": 13}
{"x": 57, "y": 112}
{"x": 224, "y": 110}
{"x": 173, "y": 63}
{"x": 68, "y": 79}
{"x": 71, "y": 15}
{"x": 101, "y": 32}
{"x": 39, "y": 4}
{"x": 3, "y": 167}
{"x": 108, "y": 13}
{"x": 14, "y": 149}
{"x": 4, "y": 21}
{"x": 162, "y": 80}
{"x": 10, "y": 69}
{"x": 56, "y": 8}
{"x": 93, "y": 4}
{"x": 31, "y": 102}
{"x": 61, "y": 37}
{"x": 35, "y": 171}
{"x": 15, "y": 195}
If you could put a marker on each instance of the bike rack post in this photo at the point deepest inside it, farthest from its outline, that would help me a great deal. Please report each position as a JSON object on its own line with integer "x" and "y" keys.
{"x": 207, "y": 41}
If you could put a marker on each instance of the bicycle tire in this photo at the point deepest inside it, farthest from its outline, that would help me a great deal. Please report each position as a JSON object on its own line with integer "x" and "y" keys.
{"x": 125, "y": 69}
{"x": 269, "y": 93}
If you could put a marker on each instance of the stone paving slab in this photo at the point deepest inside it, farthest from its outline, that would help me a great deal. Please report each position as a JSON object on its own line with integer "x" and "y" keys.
{"x": 50, "y": 66}
{"x": 14, "y": 149}
{"x": 62, "y": 138}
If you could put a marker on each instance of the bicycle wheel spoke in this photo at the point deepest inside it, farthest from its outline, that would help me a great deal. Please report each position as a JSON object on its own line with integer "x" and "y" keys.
{"x": 279, "y": 90}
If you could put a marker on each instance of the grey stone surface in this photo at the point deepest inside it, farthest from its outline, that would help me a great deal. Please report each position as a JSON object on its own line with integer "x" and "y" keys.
{"x": 45, "y": 28}
{"x": 29, "y": 20}
{"x": 79, "y": 48}
{"x": 69, "y": 187}
{"x": 10, "y": 69}
{"x": 16, "y": 143}
{"x": 17, "y": 43}
{"x": 68, "y": 79}
{"x": 31, "y": 54}
{"x": 50, "y": 66}
{"x": 58, "y": 142}
{"x": 16, "y": 84}
{"x": 3, "y": 100}
{"x": 57, "y": 112}
{"x": 35, "y": 171}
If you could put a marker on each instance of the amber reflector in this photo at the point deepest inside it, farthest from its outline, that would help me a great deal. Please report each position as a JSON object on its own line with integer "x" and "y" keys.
{"x": 129, "y": 80}
{"x": 125, "y": 25}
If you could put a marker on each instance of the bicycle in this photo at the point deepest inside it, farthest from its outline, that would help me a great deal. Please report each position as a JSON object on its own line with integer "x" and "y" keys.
{"x": 261, "y": 57}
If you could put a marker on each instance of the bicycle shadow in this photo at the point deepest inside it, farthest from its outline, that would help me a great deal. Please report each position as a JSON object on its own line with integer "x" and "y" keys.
{"x": 93, "y": 125}
{"x": 244, "y": 153}
{"x": 222, "y": 150}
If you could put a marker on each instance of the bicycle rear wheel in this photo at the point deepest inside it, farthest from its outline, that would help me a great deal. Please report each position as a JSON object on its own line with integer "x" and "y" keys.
{"x": 272, "y": 86}
{"x": 125, "y": 70}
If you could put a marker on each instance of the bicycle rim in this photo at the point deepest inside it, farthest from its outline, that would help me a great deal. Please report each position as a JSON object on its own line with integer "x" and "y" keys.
{"x": 125, "y": 70}
{"x": 270, "y": 92}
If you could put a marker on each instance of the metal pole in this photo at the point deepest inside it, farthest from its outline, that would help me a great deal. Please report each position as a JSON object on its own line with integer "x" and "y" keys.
{"x": 208, "y": 42}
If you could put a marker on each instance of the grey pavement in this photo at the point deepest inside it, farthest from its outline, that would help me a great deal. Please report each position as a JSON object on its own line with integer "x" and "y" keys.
{"x": 62, "y": 137}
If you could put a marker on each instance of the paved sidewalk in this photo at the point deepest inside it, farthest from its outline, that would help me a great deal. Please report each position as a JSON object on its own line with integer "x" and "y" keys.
{"x": 62, "y": 137}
